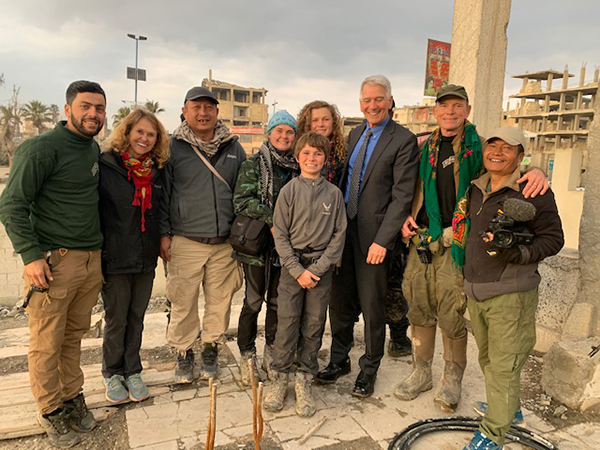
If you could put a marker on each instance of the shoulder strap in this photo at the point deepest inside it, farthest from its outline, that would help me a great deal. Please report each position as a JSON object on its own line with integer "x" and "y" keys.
{"x": 210, "y": 166}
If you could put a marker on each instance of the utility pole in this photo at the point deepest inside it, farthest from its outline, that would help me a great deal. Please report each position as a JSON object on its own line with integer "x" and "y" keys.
{"x": 137, "y": 71}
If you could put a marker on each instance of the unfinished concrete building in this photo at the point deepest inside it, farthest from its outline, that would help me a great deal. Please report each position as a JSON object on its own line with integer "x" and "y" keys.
{"x": 556, "y": 119}
{"x": 243, "y": 110}
{"x": 417, "y": 118}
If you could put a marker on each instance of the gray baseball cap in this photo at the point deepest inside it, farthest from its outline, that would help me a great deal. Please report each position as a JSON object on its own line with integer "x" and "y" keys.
{"x": 510, "y": 135}
{"x": 200, "y": 92}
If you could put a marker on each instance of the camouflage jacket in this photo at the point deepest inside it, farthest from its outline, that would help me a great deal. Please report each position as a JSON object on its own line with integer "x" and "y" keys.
{"x": 247, "y": 199}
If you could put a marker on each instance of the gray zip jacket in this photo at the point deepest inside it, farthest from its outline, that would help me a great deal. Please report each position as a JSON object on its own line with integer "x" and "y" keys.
{"x": 198, "y": 204}
{"x": 309, "y": 219}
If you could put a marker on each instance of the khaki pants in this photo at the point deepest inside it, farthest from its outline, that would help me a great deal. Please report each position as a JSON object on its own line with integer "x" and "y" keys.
{"x": 435, "y": 294}
{"x": 193, "y": 264}
{"x": 57, "y": 321}
{"x": 504, "y": 329}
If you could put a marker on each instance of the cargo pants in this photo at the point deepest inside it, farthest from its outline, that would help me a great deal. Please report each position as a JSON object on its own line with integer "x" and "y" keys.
{"x": 58, "y": 319}
{"x": 504, "y": 329}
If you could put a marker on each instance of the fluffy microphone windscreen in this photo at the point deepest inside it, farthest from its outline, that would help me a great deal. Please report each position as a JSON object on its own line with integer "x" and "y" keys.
{"x": 519, "y": 210}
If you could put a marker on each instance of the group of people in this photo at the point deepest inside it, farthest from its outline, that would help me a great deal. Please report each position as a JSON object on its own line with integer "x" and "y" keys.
{"x": 341, "y": 218}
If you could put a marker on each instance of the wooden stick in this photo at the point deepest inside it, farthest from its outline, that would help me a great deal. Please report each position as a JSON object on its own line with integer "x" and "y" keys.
{"x": 255, "y": 411}
{"x": 306, "y": 436}
{"x": 212, "y": 417}
{"x": 260, "y": 417}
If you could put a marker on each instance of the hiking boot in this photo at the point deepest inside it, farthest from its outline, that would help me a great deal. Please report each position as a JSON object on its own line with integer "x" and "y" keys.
{"x": 56, "y": 426}
{"x": 249, "y": 355}
{"x": 138, "y": 390}
{"x": 482, "y": 407}
{"x": 267, "y": 360}
{"x": 305, "y": 403}
{"x": 184, "y": 371}
{"x": 449, "y": 389}
{"x": 481, "y": 442}
{"x": 277, "y": 392}
{"x": 420, "y": 378}
{"x": 81, "y": 418}
{"x": 115, "y": 389}
{"x": 210, "y": 363}
{"x": 399, "y": 344}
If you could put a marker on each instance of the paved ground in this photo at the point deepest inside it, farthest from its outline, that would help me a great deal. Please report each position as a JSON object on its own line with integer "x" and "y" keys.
{"x": 176, "y": 417}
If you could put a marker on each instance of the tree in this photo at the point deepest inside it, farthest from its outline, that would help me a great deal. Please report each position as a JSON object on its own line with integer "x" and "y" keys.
{"x": 38, "y": 113}
{"x": 54, "y": 113}
{"x": 10, "y": 121}
{"x": 121, "y": 114}
{"x": 153, "y": 107}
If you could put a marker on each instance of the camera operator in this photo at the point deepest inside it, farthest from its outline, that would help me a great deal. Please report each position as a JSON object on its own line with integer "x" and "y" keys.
{"x": 508, "y": 236}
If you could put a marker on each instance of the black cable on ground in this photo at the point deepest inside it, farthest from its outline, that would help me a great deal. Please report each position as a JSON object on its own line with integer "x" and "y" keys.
{"x": 405, "y": 439}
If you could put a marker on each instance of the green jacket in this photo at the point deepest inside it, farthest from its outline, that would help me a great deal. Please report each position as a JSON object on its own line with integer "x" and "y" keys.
{"x": 247, "y": 198}
{"x": 51, "y": 197}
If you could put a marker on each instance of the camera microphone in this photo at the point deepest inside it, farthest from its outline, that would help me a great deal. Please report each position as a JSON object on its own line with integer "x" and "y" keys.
{"x": 519, "y": 210}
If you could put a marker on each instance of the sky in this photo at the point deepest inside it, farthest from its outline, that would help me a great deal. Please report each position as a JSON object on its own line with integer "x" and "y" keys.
{"x": 298, "y": 51}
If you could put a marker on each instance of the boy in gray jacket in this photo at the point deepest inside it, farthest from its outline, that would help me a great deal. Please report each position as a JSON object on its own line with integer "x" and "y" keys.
{"x": 309, "y": 228}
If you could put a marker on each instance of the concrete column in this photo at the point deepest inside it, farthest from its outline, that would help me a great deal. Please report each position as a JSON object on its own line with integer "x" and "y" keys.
{"x": 589, "y": 243}
{"x": 478, "y": 57}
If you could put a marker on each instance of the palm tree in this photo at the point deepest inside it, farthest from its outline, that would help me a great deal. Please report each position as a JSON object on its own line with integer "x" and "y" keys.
{"x": 122, "y": 112}
{"x": 153, "y": 107}
{"x": 38, "y": 113}
{"x": 10, "y": 121}
{"x": 54, "y": 113}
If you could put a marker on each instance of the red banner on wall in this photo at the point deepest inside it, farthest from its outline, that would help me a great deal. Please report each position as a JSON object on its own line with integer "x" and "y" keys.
{"x": 437, "y": 66}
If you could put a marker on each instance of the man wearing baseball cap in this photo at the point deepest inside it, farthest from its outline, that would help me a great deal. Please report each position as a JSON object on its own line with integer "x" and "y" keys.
{"x": 195, "y": 223}
{"x": 449, "y": 160}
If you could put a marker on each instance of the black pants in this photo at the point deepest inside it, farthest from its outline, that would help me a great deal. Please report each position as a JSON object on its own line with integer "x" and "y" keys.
{"x": 301, "y": 321}
{"x": 358, "y": 286}
{"x": 125, "y": 299}
{"x": 256, "y": 288}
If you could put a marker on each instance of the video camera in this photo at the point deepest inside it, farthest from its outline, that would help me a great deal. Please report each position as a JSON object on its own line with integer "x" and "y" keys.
{"x": 514, "y": 210}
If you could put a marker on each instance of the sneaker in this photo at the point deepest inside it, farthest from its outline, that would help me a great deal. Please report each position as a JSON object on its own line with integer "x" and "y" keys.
{"x": 115, "y": 389}
{"x": 481, "y": 442}
{"x": 138, "y": 390}
{"x": 482, "y": 407}
{"x": 56, "y": 426}
{"x": 80, "y": 417}
{"x": 184, "y": 371}
{"x": 210, "y": 363}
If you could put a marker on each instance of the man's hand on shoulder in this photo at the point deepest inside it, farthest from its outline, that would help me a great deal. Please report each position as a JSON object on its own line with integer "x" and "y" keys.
{"x": 376, "y": 254}
{"x": 537, "y": 183}
{"x": 38, "y": 273}
{"x": 165, "y": 248}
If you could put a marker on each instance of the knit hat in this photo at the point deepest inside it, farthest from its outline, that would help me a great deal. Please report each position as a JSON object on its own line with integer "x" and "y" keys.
{"x": 281, "y": 117}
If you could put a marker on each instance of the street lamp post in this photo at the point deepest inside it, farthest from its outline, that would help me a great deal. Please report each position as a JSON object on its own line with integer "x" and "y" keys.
{"x": 137, "y": 40}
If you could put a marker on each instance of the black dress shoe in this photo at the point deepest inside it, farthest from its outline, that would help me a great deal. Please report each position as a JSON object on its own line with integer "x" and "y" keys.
{"x": 332, "y": 372}
{"x": 365, "y": 385}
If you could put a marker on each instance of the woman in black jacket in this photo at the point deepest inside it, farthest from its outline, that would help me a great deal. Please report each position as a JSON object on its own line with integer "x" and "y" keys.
{"x": 130, "y": 195}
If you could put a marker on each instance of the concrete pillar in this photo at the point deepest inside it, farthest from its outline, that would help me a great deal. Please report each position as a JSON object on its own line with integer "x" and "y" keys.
{"x": 478, "y": 57}
{"x": 589, "y": 240}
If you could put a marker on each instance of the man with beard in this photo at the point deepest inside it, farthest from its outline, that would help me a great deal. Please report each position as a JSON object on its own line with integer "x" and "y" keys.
{"x": 195, "y": 222}
{"x": 50, "y": 210}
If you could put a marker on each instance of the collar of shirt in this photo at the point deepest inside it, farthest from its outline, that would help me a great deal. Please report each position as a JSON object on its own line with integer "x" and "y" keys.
{"x": 375, "y": 135}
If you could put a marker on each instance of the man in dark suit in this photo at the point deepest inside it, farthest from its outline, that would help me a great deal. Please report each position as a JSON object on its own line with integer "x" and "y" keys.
{"x": 378, "y": 183}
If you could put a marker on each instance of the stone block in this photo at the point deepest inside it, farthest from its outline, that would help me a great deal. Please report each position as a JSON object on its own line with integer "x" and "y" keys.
{"x": 571, "y": 376}
{"x": 581, "y": 321}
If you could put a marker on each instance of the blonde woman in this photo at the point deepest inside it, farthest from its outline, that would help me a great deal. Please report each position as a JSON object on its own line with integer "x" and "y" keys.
{"x": 130, "y": 195}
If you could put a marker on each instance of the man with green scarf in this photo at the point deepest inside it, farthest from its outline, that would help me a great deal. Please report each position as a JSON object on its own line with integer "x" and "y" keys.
{"x": 449, "y": 160}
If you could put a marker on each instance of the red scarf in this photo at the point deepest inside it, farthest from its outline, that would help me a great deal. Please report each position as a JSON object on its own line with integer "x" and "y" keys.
{"x": 140, "y": 171}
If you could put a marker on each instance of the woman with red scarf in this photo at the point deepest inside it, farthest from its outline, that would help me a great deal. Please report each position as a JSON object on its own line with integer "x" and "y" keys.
{"x": 130, "y": 194}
